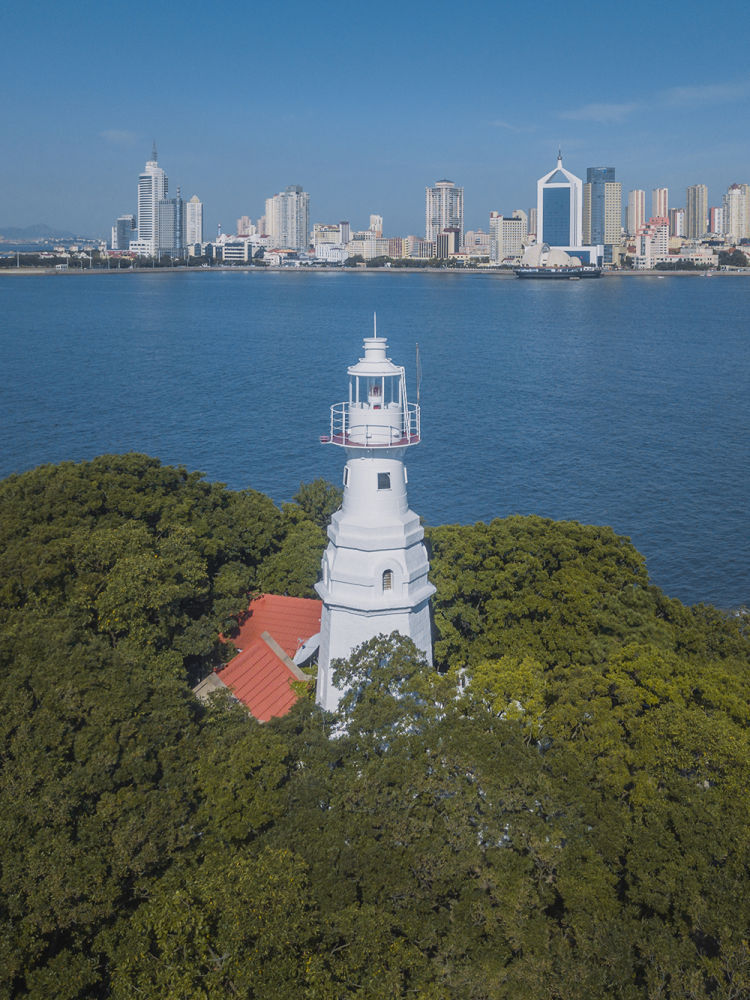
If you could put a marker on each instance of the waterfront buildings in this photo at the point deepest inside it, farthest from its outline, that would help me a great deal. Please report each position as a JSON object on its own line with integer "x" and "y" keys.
{"x": 602, "y": 210}
{"x": 171, "y": 229}
{"x": 447, "y": 243}
{"x": 506, "y": 237}
{"x": 696, "y": 211}
{"x": 716, "y": 221}
{"x": 476, "y": 243}
{"x": 559, "y": 208}
{"x": 245, "y": 226}
{"x": 444, "y": 209}
{"x": 636, "y": 213}
{"x": 152, "y": 188}
{"x": 736, "y": 214}
{"x": 677, "y": 222}
{"x": 660, "y": 203}
{"x": 288, "y": 218}
{"x": 123, "y": 231}
{"x": 652, "y": 243}
{"x": 194, "y": 221}
{"x": 376, "y": 225}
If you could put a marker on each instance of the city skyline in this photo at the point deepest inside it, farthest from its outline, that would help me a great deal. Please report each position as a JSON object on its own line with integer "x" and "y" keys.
{"x": 79, "y": 124}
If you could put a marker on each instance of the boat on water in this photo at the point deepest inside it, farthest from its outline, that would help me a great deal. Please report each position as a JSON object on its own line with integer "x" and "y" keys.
{"x": 556, "y": 273}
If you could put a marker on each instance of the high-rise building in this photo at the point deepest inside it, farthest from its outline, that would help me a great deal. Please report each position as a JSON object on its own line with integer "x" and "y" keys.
{"x": 506, "y": 237}
{"x": 602, "y": 210}
{"x": 288, "y": 218}
{"x": 518, "y": 213}
{"x": 532, "y": 222}
{"x": 652, "y": 243}
{"x": 444, "y": 209}
{"x": 172, "y": 226}
{"x": 245, "y": 226}
{"x": 636, "y": 213}
{"x": 376, "y": 225}
{"x": 559, "y": 208}
{"x": 736, "y": 214}
{"x": 677, "y": 222}
{"x": 660, "y": 203}
{"x": 123, "y": 232}
{"x": 152, "y": 188}
{"x": 696, "y": 211}
{"x": 716, "y": 221}
{"x": 194, "y": 221}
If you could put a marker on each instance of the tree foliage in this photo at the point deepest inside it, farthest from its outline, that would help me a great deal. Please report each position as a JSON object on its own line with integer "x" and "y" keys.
{"x": 559, "y": 810}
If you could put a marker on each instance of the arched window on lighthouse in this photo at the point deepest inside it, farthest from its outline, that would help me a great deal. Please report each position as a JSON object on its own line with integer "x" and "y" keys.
{"x": 387, "y": 580}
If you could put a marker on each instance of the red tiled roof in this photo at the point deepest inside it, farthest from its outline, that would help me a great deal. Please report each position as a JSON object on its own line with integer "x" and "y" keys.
{"x": 261, "y": 676}
{"x": 290, "y": 620}
{"x": 260, "y": 680}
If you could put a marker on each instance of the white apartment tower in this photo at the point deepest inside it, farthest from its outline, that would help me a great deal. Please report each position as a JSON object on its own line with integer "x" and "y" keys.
{"x": 660, "y": 203}
{"x": 444, "y": 209}
{"x": 152, "y": 188}
{"x": 736, "y": 214}
{"x": 375, "y": 567}
{"x": 636, "y": 212}
{"x": 194, "y": 221}
{"x": 288, "y": 218}
{"x": 506, "y": 236}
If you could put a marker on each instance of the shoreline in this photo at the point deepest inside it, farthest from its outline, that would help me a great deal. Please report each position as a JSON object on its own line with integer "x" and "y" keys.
{"x": 307, "y": 269}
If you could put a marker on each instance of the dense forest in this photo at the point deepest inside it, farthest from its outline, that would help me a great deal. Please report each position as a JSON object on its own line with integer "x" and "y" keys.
{"x": 560, "y": 810}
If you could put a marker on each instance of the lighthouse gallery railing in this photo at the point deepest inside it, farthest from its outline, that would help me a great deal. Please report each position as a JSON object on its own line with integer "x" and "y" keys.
{"x": 346, "y": 432}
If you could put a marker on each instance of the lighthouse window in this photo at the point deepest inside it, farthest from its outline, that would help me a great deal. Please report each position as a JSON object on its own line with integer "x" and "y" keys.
{"x": 346, "y": 475}
{"x": 388, "y": 579}
{"x": 384, "y": 480}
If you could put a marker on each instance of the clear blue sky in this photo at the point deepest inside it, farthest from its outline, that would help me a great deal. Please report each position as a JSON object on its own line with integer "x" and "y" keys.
{"x": 363, "y": 103}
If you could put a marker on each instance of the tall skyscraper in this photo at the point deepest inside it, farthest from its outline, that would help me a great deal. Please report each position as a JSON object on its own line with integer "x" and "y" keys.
{"x": 660, "y": 203}
{"x": 376, "y": 225}
{"x": 736, "y": 214}
{"x": 602, "y": 210}
{"x": 194, "y": 221}
{"x": 444, "y": 209}
{"x": 696, "y": 211}
{"x": 636, "y": 214}
{"x": 172, "y": 226}
{"x": 288, "y": 218}
{"x": 152, "y": 188}
{"x": 559, "y": 208}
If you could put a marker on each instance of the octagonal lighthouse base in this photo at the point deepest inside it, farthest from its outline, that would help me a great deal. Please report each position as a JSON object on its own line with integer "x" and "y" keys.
{"x": 374, "y": 569}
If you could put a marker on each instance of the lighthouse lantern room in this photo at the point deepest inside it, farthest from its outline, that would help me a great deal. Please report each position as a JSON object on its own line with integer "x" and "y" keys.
{"x": 375, "y": 567}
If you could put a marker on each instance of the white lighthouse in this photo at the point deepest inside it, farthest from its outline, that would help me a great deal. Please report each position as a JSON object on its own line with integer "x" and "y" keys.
{"x": 375, "y": 567}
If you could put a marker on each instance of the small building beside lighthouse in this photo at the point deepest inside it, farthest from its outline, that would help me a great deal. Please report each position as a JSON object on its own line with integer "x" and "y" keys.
{"x": 374, "y": 570}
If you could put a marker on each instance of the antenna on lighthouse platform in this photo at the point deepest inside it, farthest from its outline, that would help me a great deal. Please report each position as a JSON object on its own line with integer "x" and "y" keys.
{"x": 375, "y": 324}
{"x": 419, "y": 373}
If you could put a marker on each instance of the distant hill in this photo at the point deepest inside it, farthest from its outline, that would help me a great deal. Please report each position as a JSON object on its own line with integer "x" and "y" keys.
{"x": 40, "y": 231}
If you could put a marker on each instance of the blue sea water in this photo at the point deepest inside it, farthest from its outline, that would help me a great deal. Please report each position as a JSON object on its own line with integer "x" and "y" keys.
{"x": 624, "y": 401}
